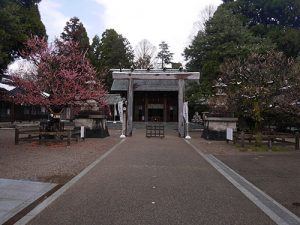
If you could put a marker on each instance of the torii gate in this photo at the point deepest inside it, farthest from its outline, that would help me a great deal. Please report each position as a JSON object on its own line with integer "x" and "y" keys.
{"x": 132, "y": 75}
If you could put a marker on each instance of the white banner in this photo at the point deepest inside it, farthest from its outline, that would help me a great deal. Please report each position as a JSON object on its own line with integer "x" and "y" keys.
{"x": 82, "y": 131}
{"x": 229, "y": 134}
{"x": 120, "y": 109}
{"x": 186, "y": 112}
{"x": 115, "y": 110}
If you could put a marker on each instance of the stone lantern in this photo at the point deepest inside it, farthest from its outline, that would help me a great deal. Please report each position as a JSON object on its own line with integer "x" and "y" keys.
{"x": 217, "y": 122}
{"x": 218, "y": 102}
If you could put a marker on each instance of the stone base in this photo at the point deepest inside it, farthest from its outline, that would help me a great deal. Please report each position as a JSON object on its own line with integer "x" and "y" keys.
{"x": 215, "y": 127}
{"x": 214, "y": 135}
{"x": 94, "y": 127}
{"x": 96, "y": 133}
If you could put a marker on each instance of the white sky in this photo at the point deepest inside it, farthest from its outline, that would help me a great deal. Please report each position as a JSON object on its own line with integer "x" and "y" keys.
{"x": 155, "y": 20}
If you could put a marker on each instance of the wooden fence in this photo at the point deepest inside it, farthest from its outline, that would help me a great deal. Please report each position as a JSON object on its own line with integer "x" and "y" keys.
{"x": 270, "y": 138}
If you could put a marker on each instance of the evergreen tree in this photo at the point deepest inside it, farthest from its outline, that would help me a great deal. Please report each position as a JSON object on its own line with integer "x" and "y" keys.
{"x": 277, "y": 20}
{"x": 75, "y": 31}
{"x": 94, "y": 54}
{"x": 112, "y": 51}
{"x": 19, "y": 19}
{"x": 225, "y": 37}
{"x": 164, "y": 54}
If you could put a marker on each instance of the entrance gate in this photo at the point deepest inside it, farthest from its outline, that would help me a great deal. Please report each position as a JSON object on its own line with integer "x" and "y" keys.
{"x": 179, "y": 75}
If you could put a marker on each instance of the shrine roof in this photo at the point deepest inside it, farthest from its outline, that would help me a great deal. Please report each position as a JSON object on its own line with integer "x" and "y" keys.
{"x": 113, "y": 98}
{"x": 151, "y": 80}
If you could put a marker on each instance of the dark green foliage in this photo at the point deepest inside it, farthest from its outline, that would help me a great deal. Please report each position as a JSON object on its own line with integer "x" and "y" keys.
{"x": 225, "y": 37}
{"x": 115, "y": 50}
{"x": 277, "y": 20}
{"x": 268, "y": 12}
{"x": 287, "y": 40}
{"x": 164, "y": 54}
{"x": 94, "y": 54}
{"x": 75, "y": 31}
{"x": 18, "y": 20}
{"x": 112, "y": 51}
{"x": 198, "y": 92}
{"x": 28, "y": 3}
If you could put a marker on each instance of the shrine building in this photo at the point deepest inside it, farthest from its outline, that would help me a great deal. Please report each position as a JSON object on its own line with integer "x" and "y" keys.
{"x": 153, "y": 95}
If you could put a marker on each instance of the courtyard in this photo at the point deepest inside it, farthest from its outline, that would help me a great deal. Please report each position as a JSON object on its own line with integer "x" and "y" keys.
{"x": 150, "y": 180}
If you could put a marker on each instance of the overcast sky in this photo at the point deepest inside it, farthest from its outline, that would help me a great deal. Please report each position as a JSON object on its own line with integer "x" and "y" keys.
{"x": 155, "y": 20}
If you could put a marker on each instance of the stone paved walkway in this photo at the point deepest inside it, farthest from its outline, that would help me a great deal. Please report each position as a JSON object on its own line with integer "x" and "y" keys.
{"x": 152, "y": 181}
{"x": 15, "y": 195}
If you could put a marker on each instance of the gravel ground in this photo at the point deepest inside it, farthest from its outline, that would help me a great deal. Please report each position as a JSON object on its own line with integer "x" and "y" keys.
{"x": 224, "y": 148}
{"x": 53, "y": 162}
{"x": 276, "y": 173}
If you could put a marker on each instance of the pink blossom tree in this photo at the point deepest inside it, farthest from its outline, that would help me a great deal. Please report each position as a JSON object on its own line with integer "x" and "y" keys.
{"x": 62, "y": 77}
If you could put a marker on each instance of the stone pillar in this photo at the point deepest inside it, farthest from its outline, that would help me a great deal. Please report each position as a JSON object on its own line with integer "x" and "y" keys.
{"x": 146, "y": 107}
{"x": 129, "y": 107}
{"x": 180, "y": 107}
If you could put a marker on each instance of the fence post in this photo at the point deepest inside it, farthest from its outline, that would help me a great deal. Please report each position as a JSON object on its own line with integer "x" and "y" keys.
{"x": 297, "y": 141}
{"x": 16, "y": 136}
{"x": 269, "y": 143}
{"x": 243, "y": 139}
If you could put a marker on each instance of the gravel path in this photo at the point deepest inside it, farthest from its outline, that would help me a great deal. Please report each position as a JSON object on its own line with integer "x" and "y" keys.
{"x": 54, "y": 162}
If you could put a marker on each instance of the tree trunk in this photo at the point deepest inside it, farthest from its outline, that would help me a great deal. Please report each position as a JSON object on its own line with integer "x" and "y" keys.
{"x": 257, "y": 128}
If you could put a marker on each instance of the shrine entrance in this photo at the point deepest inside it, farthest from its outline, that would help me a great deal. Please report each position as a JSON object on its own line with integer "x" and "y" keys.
{"x": 155, "y": 106}
{"x": 153, "y": 95}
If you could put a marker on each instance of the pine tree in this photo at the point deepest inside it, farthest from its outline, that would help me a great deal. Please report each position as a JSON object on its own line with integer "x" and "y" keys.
{"x": 164, "y": 54}
{"x": 18, "y": 21}
{"x": 113, "y": 51}
{"x": 75, "y": 31}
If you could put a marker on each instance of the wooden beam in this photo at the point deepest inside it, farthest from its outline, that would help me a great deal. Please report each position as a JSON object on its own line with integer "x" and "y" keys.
{"x": 156, "y": 76}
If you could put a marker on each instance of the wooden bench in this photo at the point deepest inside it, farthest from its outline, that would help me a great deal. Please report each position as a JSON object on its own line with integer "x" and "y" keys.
{"x": 155, "y": 130}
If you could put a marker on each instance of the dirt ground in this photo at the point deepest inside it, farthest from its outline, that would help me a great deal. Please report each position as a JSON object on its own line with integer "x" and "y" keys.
{"x": 276, "y": 173}
{"x": 53, "y": 162}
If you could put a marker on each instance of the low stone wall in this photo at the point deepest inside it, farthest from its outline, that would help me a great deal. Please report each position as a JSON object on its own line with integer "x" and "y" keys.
{"x": 215, "y": 127}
